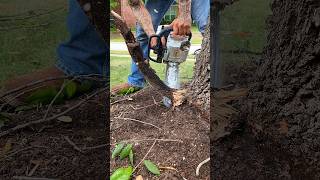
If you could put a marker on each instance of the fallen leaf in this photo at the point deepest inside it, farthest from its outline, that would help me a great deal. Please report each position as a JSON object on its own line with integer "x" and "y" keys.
{"x": 151, "y": 167}
{"x": 70, "y": 89}
{"x": 284, "y": 127}
{"x": 131, "y": 157}
{"x": 125, "y": 151}
{"x": 7, "y": 147}
{"x": 117, "y": 150}
{"x": 66, "y": 119}
{"x": 122, "y": 173}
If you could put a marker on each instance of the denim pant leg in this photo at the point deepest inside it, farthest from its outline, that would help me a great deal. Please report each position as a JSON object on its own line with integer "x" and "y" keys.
{"x": 157, "y": 9}
{"x": 84, "y": 52}
{"x": 200, "y": 11}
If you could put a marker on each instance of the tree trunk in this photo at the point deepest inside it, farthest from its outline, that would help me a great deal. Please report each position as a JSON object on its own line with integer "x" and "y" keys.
{"x": 280, "y": 134}
{"x": 199, "y": 88}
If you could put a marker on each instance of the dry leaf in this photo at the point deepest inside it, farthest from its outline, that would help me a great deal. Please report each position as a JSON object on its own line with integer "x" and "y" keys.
{"x": 66, "y": 119}
{"x": 284, "y": 128}
{"x": 7, "y": 147}
{"x": 139, "y": 177}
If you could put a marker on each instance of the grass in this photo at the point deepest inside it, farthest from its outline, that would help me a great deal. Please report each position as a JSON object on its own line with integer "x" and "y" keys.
{"x": 120, "y": 68}
{"x": 23, "y": 49}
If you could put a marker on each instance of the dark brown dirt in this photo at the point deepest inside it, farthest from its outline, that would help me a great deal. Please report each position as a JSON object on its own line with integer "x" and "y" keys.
{"x": 185, "y": 123}
{"x": 46, "y": 144}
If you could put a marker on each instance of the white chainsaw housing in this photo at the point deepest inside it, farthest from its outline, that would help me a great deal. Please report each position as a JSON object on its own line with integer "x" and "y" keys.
{"x": 176, "y": 53}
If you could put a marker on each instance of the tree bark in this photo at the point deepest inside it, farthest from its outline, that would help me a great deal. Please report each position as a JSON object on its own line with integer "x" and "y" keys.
{"x": 284, "y": 103}
{"x": 199, "y": 88}
{"x": 279, "y": 133}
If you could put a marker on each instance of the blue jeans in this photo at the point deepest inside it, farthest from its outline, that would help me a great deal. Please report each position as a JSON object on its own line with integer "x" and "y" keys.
{"x": 200, "y": 10}
{"x": 84, "y": 52}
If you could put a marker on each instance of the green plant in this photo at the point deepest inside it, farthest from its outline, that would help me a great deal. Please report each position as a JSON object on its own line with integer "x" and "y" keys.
{"x": 125, "y": 173}
{"x": 113, "y": 4}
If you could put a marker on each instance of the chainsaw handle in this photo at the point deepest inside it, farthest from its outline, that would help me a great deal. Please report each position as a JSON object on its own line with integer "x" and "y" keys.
{"x": 158, "y": 48}
{"x": 165, "y": 33}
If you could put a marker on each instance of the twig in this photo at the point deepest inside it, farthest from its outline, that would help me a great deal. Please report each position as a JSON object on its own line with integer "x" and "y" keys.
{"x": 11, "y": 99}
{"x": 135, "y": 120}
{"x": 139, "y": 140}
{"x": 34, "y": 169}
{"x": 90, "y": 76}
{"x": 22, "y": 126}
{"x": 53, "y": 100}
{"x": 154, "y": 101}
{"x": 95, "y": 147}
{"x": 55, "y": 97}
{"x": 20, "y": 150}
{"x": 73, "y": 144}
{"x": 145, "y": 155}
{"x": 201, "y": 164}
{"x": 31, "y": 178}
{"x": 134, "y": 108}
{"x": 173, "y": 169}
{"x": 120, "y": 100}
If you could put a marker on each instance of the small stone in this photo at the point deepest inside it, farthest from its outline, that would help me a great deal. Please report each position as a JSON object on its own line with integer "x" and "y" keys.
{"x": 87, "y": 7}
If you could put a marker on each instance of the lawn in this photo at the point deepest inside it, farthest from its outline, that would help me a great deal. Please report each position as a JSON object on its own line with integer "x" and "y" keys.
{"x": 120, "y": 68}
{"x": 30, "y": 44}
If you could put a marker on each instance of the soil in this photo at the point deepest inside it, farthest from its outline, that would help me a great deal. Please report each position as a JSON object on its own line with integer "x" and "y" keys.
{"x": 184, "y": 123}
{"x": 44, "y": 149}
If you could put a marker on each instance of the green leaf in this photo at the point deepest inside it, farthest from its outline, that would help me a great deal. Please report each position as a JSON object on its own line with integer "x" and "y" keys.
{"x": 113, "y": 4}
{"x": 125, "y": 151}
{"x": 44, "y": 96}
{"x": 70, "y": 89}
{"x": 85, "y": 86}
{"x": 117, "y": 150}
{"x": 131, "y": 157}
{"x": 122, "y": 173}
{"x": 129, "y": 90}
{"x": 151, "y": 167}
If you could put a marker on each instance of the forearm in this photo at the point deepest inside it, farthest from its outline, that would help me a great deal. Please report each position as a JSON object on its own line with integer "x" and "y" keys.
{"x": 142, "y": 15}
{"x": 184, "y": 10}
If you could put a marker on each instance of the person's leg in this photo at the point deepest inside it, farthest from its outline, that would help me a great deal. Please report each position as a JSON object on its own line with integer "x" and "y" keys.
{"x": 157, "y": 10}
{"x": 200, "y": 11}
{"x": 85, "y": 52}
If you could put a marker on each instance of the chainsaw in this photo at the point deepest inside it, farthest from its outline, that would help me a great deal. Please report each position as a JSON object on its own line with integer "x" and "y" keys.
{"x": 172, "y": 54}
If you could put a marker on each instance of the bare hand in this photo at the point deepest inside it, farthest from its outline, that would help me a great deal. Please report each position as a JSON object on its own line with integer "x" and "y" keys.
{"x": 181, "y": 26}
{"x": 154, "y": 42}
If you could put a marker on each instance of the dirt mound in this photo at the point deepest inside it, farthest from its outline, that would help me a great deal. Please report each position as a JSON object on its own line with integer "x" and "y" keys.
{"x": 182, "y": 135}
{"x": 64, "y": 150}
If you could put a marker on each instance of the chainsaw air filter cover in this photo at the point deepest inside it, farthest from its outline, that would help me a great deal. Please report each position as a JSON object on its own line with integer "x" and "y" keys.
{"x": 177, "y": 49}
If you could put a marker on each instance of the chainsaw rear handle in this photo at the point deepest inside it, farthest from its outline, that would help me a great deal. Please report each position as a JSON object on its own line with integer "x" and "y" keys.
{"x": 158, "y": 48}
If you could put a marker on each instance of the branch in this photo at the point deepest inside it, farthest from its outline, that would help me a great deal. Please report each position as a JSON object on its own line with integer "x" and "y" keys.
{"x": 137, "y": 56}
